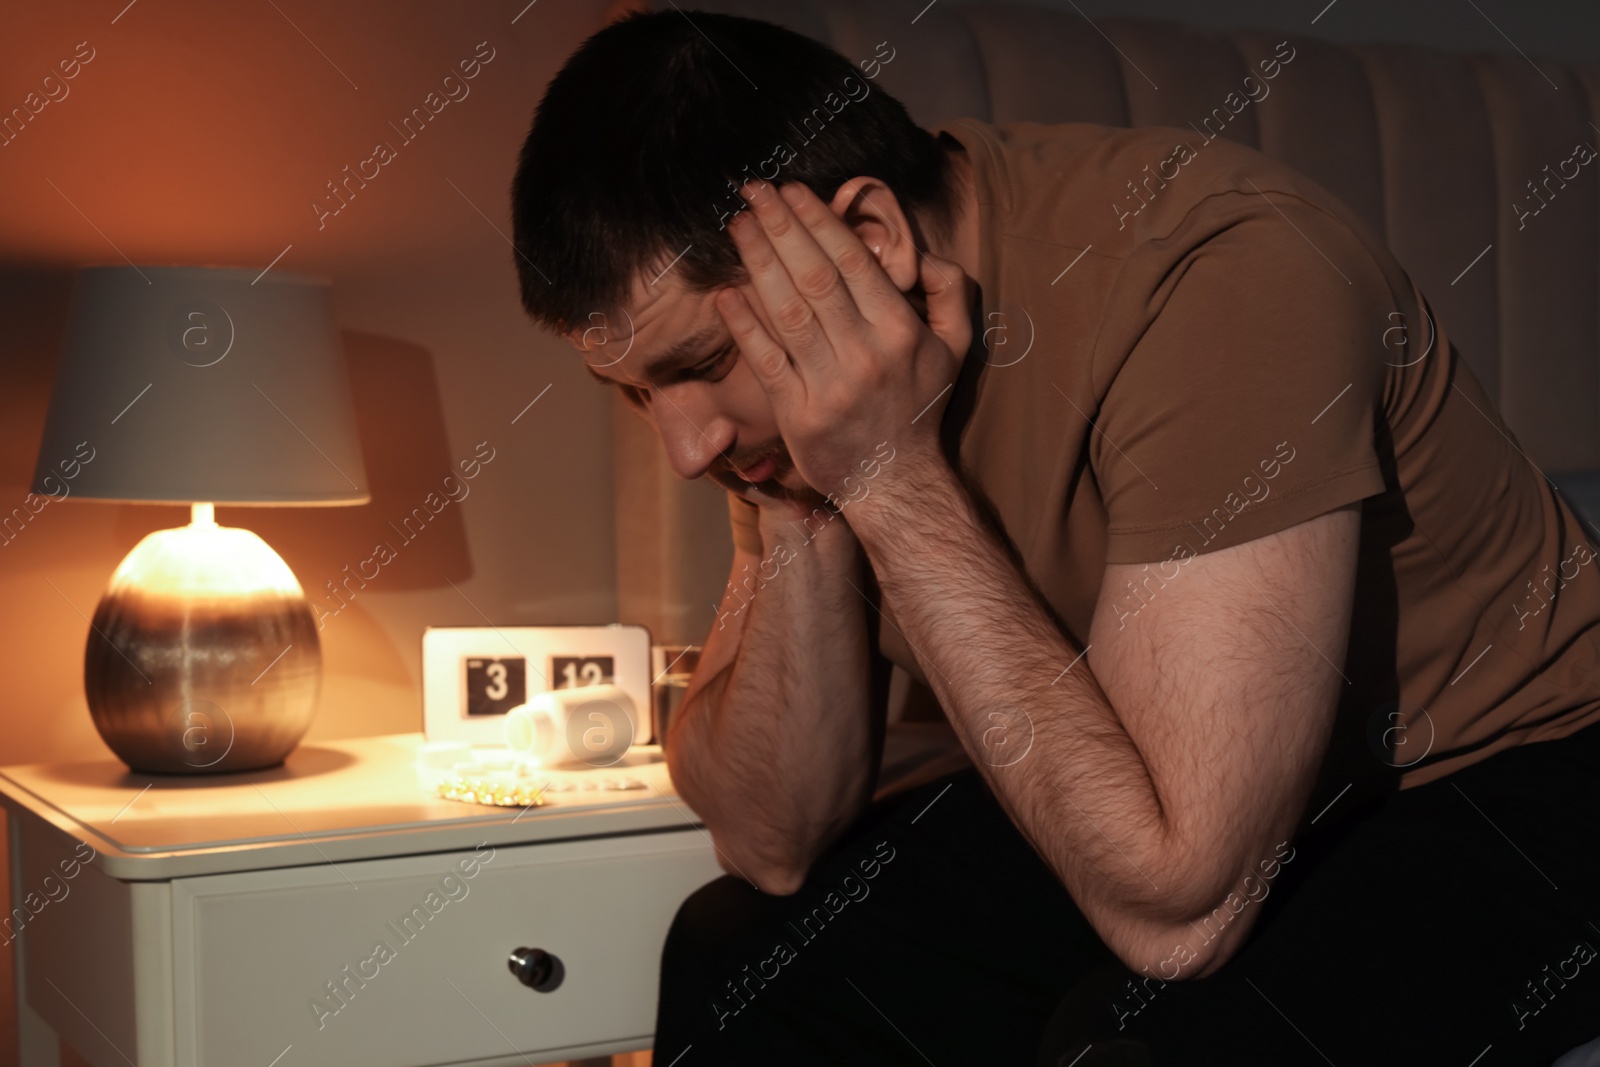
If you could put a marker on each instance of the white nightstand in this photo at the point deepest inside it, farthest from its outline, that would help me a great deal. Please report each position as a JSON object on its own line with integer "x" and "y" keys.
{"x": 330, "y": 912}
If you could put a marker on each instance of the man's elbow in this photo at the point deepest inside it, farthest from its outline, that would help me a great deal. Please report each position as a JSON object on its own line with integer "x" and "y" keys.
{"x": 1192, "y": 948}
{"x": 773, "y": 879}
{"x": 1194, "y": 932}
{"x": 770, "y": 866}
{"x": 780, "y": 882}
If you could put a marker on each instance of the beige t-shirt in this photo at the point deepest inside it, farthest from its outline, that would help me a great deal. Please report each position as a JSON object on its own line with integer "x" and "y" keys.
{"x": 1186, "y": 345}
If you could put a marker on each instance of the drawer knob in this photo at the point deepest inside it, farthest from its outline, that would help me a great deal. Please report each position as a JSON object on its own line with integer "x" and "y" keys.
{"x": 537, "y": 969}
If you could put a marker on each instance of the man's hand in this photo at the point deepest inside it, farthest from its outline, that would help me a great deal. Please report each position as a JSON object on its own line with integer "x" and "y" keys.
{"x": 853, "y": 364}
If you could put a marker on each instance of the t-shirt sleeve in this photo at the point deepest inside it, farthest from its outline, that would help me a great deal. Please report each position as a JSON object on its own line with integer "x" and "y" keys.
{"x": 1248, "y": 401}
{"x": 744, "y": 518}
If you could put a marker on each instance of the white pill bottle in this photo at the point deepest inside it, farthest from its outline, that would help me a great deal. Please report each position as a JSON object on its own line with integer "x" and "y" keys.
{"x": 588, "y": 726}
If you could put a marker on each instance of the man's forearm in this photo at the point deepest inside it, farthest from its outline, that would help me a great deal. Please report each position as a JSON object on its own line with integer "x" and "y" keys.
{"x": 1008, "y": 678}
{"x": 776, "y": 755}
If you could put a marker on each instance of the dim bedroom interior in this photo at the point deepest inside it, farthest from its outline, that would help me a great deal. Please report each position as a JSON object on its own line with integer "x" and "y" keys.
{"x": 214, "y": 918}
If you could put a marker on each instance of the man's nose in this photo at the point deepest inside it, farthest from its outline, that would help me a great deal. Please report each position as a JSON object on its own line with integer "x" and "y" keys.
{"x": 693, "y": 433}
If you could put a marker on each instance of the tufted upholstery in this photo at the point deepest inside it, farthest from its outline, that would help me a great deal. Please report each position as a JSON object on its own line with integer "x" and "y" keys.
{"x": 1431, "y": 148}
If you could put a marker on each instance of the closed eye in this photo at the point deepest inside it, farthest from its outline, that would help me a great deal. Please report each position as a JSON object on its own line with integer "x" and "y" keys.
{"x": 706, "y": 370}
{"x": 710, "y": 366}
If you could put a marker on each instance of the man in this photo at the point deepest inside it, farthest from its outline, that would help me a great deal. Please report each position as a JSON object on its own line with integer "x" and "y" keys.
{"x": 1274, "y": 657}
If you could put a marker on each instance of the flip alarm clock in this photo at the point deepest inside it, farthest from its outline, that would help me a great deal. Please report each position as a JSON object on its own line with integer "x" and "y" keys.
{"x": 473, "y": 676}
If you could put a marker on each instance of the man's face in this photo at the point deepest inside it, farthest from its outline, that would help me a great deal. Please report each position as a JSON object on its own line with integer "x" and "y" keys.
{"x": 677, "y": 365}
{"x": 680, "y": 369}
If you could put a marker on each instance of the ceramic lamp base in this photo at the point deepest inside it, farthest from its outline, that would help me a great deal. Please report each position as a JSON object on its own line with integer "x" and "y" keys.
{"x": 203, "y": 657}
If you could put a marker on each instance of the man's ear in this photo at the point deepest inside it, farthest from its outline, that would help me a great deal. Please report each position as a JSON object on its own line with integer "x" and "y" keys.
{"x": 869, "y": 208}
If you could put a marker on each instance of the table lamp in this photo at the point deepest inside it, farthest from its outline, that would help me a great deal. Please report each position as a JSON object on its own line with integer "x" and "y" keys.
{"x": 201, "y": 386}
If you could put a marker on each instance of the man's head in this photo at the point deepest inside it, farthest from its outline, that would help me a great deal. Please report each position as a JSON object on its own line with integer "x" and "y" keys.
{"x": 628, "y": 179}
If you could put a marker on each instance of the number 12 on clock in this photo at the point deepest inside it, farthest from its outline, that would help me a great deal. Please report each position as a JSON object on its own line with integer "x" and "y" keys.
{"x": 571, "y": 672}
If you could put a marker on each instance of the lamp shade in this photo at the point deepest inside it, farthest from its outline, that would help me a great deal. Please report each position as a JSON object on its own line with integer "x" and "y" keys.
{"x": 181, "y": 385}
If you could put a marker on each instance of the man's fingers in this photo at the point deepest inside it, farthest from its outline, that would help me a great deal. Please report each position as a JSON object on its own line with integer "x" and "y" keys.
{"x": 766, "y": 237}
{"x": 765, "y": 358}
{"x": 949, "y": 292}
{"x": 857, "y": 290}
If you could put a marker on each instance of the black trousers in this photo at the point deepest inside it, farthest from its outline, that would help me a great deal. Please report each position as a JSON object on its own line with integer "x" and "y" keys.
{"x": 1455, "y": 923}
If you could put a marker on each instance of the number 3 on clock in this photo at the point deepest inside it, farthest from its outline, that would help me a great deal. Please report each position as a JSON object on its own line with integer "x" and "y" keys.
{"x": 495, "y": 686}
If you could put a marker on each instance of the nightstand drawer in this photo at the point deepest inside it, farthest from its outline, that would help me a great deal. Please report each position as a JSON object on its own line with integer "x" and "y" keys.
{"x": 402, "y": 962}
